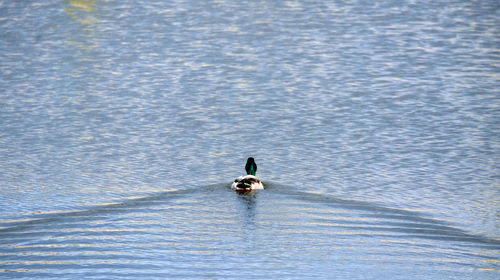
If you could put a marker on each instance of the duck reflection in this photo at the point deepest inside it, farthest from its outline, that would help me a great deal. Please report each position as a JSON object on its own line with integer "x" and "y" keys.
{"x": 248, "y": 205}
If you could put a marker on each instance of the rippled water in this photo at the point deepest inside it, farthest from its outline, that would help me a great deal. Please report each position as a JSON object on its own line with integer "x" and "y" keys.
{"x": 374, "y": 125}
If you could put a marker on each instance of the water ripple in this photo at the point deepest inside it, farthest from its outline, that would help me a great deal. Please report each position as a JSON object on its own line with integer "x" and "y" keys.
{"x": 384, "y": 114}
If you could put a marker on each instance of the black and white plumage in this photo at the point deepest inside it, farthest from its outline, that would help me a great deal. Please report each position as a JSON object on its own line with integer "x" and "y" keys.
{"x": 249, "y": 182}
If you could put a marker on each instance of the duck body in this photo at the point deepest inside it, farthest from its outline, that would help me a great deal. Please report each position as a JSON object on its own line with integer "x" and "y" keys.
{"x": 247, "y": 183}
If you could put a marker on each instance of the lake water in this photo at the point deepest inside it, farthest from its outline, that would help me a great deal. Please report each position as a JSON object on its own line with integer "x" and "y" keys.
{"x": 374, "y": 124}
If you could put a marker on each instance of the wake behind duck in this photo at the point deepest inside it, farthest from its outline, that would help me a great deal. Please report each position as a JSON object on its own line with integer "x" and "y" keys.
{"x": 249, "y": 182}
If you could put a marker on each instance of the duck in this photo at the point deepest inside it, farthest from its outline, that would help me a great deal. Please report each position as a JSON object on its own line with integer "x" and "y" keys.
{"x": 248, "y": 182}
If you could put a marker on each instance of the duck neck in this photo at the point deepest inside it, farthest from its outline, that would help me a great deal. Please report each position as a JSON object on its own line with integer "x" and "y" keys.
{"x": 251, "y": 171}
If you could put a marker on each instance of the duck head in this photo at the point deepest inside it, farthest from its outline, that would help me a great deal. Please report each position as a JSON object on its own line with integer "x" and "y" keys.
{"x": 251, "y": 167}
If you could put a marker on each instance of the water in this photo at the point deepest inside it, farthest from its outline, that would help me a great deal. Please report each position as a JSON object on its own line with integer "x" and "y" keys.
{"x": 374, "y": 125}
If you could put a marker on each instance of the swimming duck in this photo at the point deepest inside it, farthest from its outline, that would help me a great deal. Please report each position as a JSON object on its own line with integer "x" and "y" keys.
{"x": 249, "y": 182}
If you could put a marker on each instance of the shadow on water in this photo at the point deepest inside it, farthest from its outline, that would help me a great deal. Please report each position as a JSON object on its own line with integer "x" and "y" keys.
{"x": 248, "y": 200}
{"x": 398, "y": 221}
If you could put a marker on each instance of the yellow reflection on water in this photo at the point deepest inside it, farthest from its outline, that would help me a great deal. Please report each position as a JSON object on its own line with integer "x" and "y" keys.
{"x": 15, "y": 221}
{"x": 491, "y": 261}
{"x": 488, "y": 269}
{"x": 81, "y": 6}
{"x": 22, "y": 270}
{"x": 82, "y": 40}
{"x": 85, "y": 5}
{"x": 79, "y": 253}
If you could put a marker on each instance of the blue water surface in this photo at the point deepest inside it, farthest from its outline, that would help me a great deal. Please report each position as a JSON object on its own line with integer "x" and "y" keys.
{"x": 374, "y": 125}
